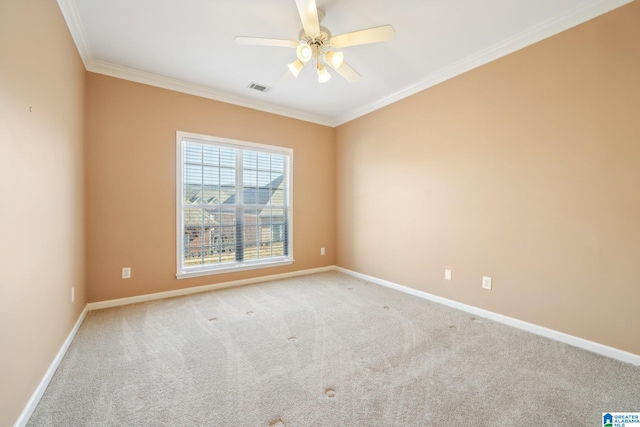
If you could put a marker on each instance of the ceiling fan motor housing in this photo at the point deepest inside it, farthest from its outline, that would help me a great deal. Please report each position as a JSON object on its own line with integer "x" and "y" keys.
{"x": 316, "y": 43}
{"x": 319, "y": 44}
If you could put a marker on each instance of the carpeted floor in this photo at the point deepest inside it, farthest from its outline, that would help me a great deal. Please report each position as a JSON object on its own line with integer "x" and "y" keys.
{"x": 323, "y": 350}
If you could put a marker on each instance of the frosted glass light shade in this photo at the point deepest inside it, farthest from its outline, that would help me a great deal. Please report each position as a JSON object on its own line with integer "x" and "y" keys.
{"x": 295, "y": 67}
{"x": 335, "y": 59}
{"x": 304, "y": 52}
{"x": 323, "y": 74}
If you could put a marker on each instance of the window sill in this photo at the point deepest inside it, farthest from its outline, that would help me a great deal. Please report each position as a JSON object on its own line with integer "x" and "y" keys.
{"x": 232, "y": 269}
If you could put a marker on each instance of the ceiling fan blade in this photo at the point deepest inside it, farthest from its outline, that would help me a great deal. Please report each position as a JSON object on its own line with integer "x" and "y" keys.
{"x": 370, "y": 35}
{"x": 309, "y": 16}
{"x": 261, "y": 41}
{"x": 347, "y": 73}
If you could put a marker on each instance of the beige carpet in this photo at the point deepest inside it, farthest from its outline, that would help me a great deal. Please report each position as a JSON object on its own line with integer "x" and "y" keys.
{"x": 323, "y": 350}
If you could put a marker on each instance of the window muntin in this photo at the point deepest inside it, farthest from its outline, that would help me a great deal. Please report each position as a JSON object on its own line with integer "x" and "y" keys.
{"x": 234, "y": 205}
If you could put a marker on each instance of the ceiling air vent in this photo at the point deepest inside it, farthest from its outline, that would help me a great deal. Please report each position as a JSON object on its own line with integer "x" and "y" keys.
{"x": 259, "y": 87}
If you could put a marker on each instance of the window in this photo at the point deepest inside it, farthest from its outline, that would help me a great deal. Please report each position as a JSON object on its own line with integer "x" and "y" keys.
{"x": 233, "y": 205}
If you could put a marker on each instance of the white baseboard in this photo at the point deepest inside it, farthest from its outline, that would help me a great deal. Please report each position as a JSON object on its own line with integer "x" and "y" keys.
{"x": 539, "y": 330}
{"x": 37, "y": 394}
{"x": 44, "y": 383}
{"x": 188, "y": 291}
{"x": 594, "y": 347}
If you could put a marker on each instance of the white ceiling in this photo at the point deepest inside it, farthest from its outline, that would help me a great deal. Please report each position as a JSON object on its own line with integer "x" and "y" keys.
{"x": 189, "y": 46}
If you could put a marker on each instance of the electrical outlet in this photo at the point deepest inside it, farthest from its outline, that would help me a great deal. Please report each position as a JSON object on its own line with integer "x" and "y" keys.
{"x": 486, "y": 282}
{"x": 73, "y": 294}
{"x": 322, "y": 251}
{"x": 447, "y": 275}
{"x": 126, "y": 273}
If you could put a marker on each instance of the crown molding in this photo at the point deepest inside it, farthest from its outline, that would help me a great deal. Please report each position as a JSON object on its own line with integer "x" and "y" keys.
{"x": 157, "y": 80}
{"x": 72, "y": 18}
{"x": 526, "y": 38}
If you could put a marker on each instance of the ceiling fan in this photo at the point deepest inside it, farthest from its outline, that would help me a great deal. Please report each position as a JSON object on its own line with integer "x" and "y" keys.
{"x": 316, "y": 44}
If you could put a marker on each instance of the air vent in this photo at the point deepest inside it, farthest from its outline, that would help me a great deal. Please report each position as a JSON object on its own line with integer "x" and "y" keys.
{"x": 259, "y": 87}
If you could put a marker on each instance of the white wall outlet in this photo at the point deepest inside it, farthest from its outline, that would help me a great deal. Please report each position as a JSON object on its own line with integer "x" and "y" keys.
{"x": 126, "y": 273}
{"x": 322, "y": 251}
{"x": 447, "y": 275}
{"x": 486, "y": 282}
{"x": 73, "y": 294}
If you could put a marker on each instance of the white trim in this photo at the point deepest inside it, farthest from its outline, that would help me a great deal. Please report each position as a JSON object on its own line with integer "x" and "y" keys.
{"x": 182, "y": 86}
{"x": 23, "y": 419}
{"x": 526, "y": 38}
{"x": 234, "y": 143}
{"x": 179, "y": 195}
{"x": 182, "y": 137}
{"x": 236, "y": 267}
{"x": 601, "y": 349}
{"x": 74, "y": 23}
{"x": 31, "y": 405}
{"x": 591, "y": 346}
{"x": 206, "y": 288}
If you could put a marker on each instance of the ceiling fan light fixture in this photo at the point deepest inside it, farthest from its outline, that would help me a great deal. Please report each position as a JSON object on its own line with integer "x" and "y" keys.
{"x": 335, "y": 59}
{"x": 304, "y": 52}
{"x": 316, "y": 44}
{"x": 323, "y": 74}
{"x": 295, "y": 67}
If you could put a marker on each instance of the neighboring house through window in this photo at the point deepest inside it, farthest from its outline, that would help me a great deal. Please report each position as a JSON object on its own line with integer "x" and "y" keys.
{"x": 233, "y": 205}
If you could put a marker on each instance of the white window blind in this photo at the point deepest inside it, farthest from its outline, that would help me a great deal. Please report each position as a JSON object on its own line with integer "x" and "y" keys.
{"x": 234, "y": 205}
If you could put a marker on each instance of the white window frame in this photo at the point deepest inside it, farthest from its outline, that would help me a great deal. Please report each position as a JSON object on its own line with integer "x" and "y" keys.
{"x": 182, "y": 271}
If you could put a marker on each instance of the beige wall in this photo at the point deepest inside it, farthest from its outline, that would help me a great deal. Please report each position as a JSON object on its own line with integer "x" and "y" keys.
{"x": 41, "y": 191}
{"x": 526, "y": 170}
{"x": 130, "y": 170}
